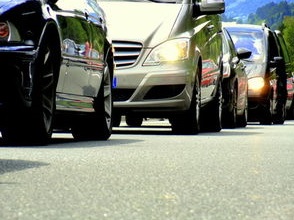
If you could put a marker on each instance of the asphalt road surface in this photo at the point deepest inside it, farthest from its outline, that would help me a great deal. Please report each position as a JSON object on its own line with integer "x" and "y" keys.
{"x": 150, "y": 174}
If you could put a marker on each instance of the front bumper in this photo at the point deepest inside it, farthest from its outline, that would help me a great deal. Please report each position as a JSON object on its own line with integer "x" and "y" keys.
{"x": 153, "y": 89}
{"x": 16, "y": 74}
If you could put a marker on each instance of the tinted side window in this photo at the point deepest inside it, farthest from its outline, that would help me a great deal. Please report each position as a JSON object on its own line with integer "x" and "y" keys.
{"x": 272, "y": 46}
{"x": 285, "y": 54}
{"x": 284, "y": 48}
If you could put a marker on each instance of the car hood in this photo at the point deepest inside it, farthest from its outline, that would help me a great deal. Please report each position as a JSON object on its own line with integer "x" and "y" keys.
{"x": 148, "y": 23}
{"x": 6, "y": 5}
{"x": 254, "y": 69}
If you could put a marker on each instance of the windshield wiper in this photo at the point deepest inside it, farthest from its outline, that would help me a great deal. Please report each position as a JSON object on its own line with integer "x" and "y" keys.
{"x": 162, "y": 1}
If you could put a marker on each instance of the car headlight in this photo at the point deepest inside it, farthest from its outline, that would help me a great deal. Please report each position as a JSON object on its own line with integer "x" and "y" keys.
{"x": 170, "y": 51}
{"x": 256, "y": 83}
{"x": 8, "y": 32}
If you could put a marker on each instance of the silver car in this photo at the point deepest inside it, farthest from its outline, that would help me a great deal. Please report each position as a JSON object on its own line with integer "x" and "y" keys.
{"x": 159, "y": 48}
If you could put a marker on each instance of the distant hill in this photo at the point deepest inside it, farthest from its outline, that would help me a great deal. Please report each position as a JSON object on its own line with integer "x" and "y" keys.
{"x": 240, "y": 9}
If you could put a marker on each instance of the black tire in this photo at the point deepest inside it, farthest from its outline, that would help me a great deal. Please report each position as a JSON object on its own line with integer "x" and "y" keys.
{"x": 33, "y": 122}
{"x": 279, "y": 107}
{"x": 116, "y": 119}
{"x": 99, "y": 125}
{"x": 229, "y": 116}
{"x": 242, "y": 119}
{"x": 188, "y": 123}
{"x": 134, "y": 121}
{"x": 211, "y": 115}
{"x": 290, "y": 112}
{"x": 266, "y": 116}
{"x": 280, "y": 114}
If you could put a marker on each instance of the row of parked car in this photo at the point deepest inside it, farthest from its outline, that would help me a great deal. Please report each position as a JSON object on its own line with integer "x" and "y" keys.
{"x": 268, "y": 71}
{"x": 81, "y": 65}
{"x": 249, "y": 85}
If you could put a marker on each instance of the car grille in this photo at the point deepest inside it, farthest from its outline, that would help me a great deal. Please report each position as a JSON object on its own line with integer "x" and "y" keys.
{"x": 164, "y": 92}
{"x": 122, "y": 94}
{"x": 126, "y": 53}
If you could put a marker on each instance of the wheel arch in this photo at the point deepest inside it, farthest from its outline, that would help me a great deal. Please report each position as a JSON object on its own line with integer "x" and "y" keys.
{"x": 51, "y": 29}
{"x": 108, "y": 51}
{"x": 198, "y": 63}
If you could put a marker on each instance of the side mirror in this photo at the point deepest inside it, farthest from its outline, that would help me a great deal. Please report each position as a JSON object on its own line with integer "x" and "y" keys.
{"x": 52, "y": 1}
{"x": 212, "y": 7}
{"x": 243, "y": 53}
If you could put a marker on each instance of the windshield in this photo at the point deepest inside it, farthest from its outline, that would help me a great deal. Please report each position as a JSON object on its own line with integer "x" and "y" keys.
{"x": 252, "y": 41}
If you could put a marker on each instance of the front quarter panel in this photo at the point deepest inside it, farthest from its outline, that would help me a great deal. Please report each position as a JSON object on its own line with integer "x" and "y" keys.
{"x": 27, "y": 21}
{"x": 210, "y": 45}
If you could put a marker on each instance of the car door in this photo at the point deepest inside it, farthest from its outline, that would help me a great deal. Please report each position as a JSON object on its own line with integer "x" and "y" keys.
{"x": 273, "y": 54}
{"x": 290, "y": 79}
{"x": 210, "y": 47}
{"x": 76, "y": 33}
{"x": 238, "y": 69}
{"x": 95, "y": 50}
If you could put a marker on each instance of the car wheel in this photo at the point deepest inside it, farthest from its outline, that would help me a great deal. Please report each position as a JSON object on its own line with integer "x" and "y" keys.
{"x": 229, "y": 116}
{"x": 243, "y": 118}
{"x": 134, "y": 121}
{"x": 99, "y": 125}
{"x": 266, "y": 116}
{"x": 211, "y": 115}
{"x": 116, "y": 119}
{"x": 280, "y": 114}
{"x": 33, "y": 123}
{"x": 290, "y": 112}
{"x": 189, "y": 122}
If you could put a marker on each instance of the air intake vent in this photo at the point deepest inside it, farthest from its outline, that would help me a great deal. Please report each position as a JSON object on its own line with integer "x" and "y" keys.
{"x": 126, "y": 53}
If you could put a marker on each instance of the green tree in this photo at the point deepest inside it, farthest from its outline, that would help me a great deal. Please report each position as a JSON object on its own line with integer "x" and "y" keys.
{"x": 288, "y": 33}
{"x": 272, "y": 14}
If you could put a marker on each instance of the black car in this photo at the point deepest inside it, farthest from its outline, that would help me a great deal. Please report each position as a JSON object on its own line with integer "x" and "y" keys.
{"x": 266, "y": 72}
{"x": 290, "y": 75}
{"x": 56, "y": 70}
{"x": 234, "y": 84}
